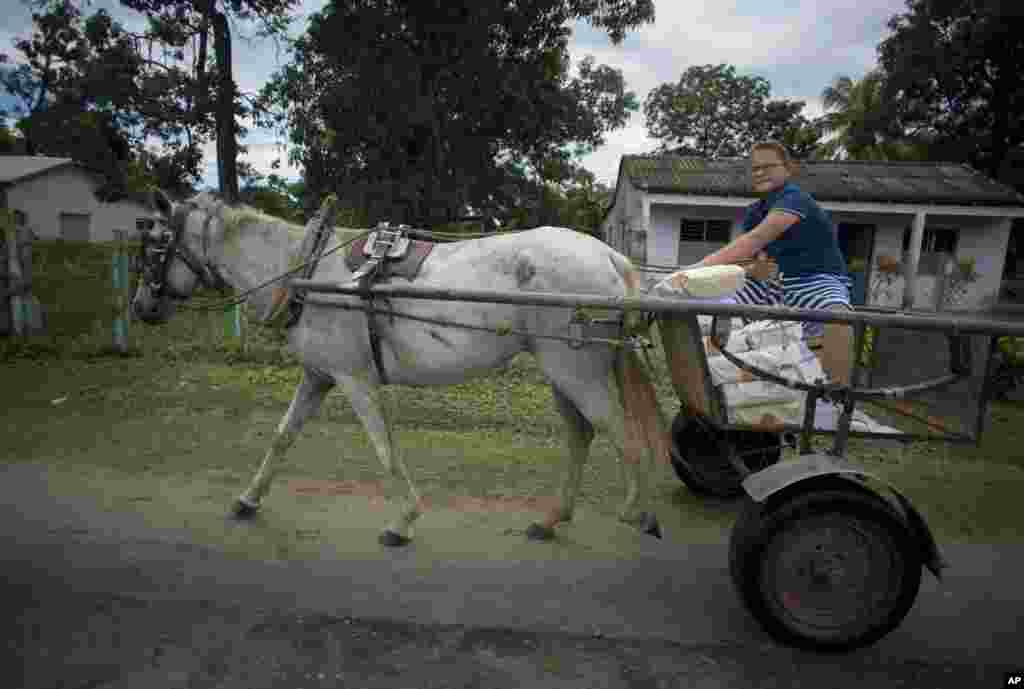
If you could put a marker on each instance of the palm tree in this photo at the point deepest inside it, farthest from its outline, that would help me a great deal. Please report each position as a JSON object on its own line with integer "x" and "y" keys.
{"x": 865, "y": 126}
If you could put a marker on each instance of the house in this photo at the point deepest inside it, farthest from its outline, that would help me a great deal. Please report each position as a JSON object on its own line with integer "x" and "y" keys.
{"x": 56, "y": 198}
{"x": 941, "y": 228}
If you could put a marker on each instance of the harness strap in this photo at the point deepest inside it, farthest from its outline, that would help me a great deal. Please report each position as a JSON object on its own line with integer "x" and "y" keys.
{"x": 371, "y": 323}
{"x": 207, "y": 274}
{"x": 324, "y": 219}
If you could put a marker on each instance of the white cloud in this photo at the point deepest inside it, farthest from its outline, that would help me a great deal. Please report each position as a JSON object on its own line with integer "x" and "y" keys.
{"x": 629, "y": 140}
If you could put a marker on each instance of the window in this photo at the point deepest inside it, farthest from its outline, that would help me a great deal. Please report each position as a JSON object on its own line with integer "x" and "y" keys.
{"x": 143, "y": 224}
{"x": 691, "y": 230}
{"x": 75, "y": 226}
{"x": 937, "y": 245}
{"x": 20, "y": 218}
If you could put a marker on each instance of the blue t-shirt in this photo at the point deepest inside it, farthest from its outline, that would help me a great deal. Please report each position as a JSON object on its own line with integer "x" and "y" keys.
{"x": 811, "y": 245}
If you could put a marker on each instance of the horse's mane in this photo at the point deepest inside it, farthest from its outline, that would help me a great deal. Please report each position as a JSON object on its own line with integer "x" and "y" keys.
{"x": 243, "y": 214}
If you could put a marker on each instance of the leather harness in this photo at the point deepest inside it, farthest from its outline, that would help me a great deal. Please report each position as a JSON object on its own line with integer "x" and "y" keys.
{"x": 385, "y": 253}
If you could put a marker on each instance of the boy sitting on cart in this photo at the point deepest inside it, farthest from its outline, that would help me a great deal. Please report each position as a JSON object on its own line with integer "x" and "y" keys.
{"x": 789, "y": 232}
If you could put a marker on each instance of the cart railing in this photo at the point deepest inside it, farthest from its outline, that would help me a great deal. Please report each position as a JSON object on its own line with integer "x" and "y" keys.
{"x": 966, "y": 325}
{"x": 692, "y": 379}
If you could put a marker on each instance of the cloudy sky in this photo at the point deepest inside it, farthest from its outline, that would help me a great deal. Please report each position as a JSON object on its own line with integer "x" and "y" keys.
{"x": 797, "y": 45}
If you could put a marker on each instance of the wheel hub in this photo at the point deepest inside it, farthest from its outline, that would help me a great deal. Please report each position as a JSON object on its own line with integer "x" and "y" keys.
{"x": 827, "y": 577}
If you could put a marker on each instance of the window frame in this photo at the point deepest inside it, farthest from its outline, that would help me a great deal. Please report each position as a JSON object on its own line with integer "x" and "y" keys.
{"x": 705, "y": 225}
{"x": 932, "y": 261}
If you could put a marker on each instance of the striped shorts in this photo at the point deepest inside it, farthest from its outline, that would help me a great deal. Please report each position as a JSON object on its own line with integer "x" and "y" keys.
{"x": 816, "y": 291}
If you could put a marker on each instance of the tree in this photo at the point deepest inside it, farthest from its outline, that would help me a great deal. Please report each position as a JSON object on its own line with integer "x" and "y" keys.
{"x": 87, "y": 92}
{"x": 956, "y": 68}
{"x": 783, "y": 121}
{"x": 274, "y": 196}
{"x": 469, "y": 99}
{"x": 176, "y": 22}
{"x": 866, "y": 126}
{"x": 712, "y": 112}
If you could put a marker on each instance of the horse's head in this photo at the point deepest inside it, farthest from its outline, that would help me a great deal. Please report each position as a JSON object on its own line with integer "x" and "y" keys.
{"x": 177, "y": 255}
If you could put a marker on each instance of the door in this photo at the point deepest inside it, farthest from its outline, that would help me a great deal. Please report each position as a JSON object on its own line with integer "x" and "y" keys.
{"x": 74, "y": 227}
{"x": 856, "y": 241}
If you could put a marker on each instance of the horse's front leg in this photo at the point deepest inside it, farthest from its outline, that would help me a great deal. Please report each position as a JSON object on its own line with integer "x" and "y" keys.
{"x": 307, "y": 400}
{"x": 364, "y": 396}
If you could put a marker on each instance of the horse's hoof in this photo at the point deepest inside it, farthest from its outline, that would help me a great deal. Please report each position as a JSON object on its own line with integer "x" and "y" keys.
{"x": 649, "y": 524}
{"x": 243, "y": 510}
{"x": 539, "y": 533}
{"x": 392, "y": 540}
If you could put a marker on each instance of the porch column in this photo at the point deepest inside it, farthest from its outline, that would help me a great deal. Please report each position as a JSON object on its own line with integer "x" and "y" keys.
{"x": 913, "y": 261}
{"x": 645, "y": 224}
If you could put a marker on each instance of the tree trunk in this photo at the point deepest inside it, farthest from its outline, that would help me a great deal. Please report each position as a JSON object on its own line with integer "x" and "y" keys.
{"x": 202, "y": 87}
{"x": 1001, "y": 128}
{"x": 227, "y": 145}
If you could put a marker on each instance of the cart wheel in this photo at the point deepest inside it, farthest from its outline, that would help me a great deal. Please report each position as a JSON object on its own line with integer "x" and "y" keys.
{"x": 701, "y": 453}
{"x": 829, "y": 570}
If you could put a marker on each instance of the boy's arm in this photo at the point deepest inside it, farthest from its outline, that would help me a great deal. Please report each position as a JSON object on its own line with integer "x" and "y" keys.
{"x": 749, "y": 244}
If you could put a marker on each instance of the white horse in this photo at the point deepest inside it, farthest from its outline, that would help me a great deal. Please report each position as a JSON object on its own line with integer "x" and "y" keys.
{"x": 595, "y": 387}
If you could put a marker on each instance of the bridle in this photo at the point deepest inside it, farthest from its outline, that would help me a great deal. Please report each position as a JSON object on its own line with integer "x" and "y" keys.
{"x": 159, "y": 248}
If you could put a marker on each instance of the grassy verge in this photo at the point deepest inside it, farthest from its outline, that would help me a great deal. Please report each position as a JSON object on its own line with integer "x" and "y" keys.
{"x": 187, "y": 403}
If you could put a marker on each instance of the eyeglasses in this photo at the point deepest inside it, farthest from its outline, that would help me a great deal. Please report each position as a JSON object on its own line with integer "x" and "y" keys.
{"x": 754, "y": 169}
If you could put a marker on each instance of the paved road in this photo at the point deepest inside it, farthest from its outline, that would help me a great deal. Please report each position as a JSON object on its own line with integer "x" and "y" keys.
{"x": 93, "y": 599}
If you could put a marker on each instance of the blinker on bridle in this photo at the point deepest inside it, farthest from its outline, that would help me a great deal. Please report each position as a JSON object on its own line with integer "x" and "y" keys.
{"x": 157, "y": 252}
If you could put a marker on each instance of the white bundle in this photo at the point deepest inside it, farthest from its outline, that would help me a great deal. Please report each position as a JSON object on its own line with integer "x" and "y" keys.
{"x": 761, "y": 334}
{"x": 705, "y": 321}
{"x": 771, "y": 359}
{"x": 778, "y": 349}
{"x": 706, "y": 282}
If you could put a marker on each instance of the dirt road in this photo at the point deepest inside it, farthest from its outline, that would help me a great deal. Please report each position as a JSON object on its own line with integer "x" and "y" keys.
{"x": 96, "y": 598}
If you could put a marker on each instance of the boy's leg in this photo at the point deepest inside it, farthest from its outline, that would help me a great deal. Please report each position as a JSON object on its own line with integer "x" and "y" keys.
{"x": 832, "y": 293}
{"x": 837, "y": 349}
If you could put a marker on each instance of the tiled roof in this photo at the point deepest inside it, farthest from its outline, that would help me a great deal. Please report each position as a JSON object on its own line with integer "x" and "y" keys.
{"x": 14, "y": 168}
{"x": 893, "y": 182}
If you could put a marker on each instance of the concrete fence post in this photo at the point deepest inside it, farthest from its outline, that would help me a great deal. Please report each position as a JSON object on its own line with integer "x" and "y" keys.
{"x": 19, "y": 318}
{"x": 121, "y": 285}
{"x": 233, "y": 327}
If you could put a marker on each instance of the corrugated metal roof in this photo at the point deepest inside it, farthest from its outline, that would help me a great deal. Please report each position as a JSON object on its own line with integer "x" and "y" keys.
{"x": 892, "y": 182}
{"x": 13, "y": 168}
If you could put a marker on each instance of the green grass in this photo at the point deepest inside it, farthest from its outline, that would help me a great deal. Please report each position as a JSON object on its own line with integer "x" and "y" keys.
{"x": 186, "y": 404}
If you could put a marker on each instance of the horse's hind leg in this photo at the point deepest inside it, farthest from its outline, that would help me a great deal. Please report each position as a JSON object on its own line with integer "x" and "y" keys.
{"x": 307, "y": 400}
{"x": 365, "y": 399}
{"x": 589, "y": 380}
{"x": 580, "y": 434}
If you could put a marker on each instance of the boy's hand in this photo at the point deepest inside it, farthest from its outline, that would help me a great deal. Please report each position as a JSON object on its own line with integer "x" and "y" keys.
{"x": 763, "y": 268}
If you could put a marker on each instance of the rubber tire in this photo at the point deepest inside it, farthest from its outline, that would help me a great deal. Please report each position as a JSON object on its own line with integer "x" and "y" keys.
{"x": 758, "y": 525}
{"x": 699, "y": 458}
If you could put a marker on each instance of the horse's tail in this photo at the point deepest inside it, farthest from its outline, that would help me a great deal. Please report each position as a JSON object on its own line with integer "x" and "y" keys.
{"x": 645, "y": 426}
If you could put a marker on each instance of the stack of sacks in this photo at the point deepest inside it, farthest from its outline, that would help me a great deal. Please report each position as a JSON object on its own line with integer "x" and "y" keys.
{"x": 773, "y": 347}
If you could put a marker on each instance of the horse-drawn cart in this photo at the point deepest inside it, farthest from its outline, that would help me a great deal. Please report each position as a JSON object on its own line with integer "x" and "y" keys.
{"x": 825, "y": 554}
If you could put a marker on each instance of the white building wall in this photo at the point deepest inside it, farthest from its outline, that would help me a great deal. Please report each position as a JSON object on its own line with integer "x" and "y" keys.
{"x": 883, "y": 289}
{"x": 70, "y": 190}
{"x": 42, "y": 199}
{"x": 983, "y": 239}
{"x": 619, "y": 214}
{"x": 663, "y": 246}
